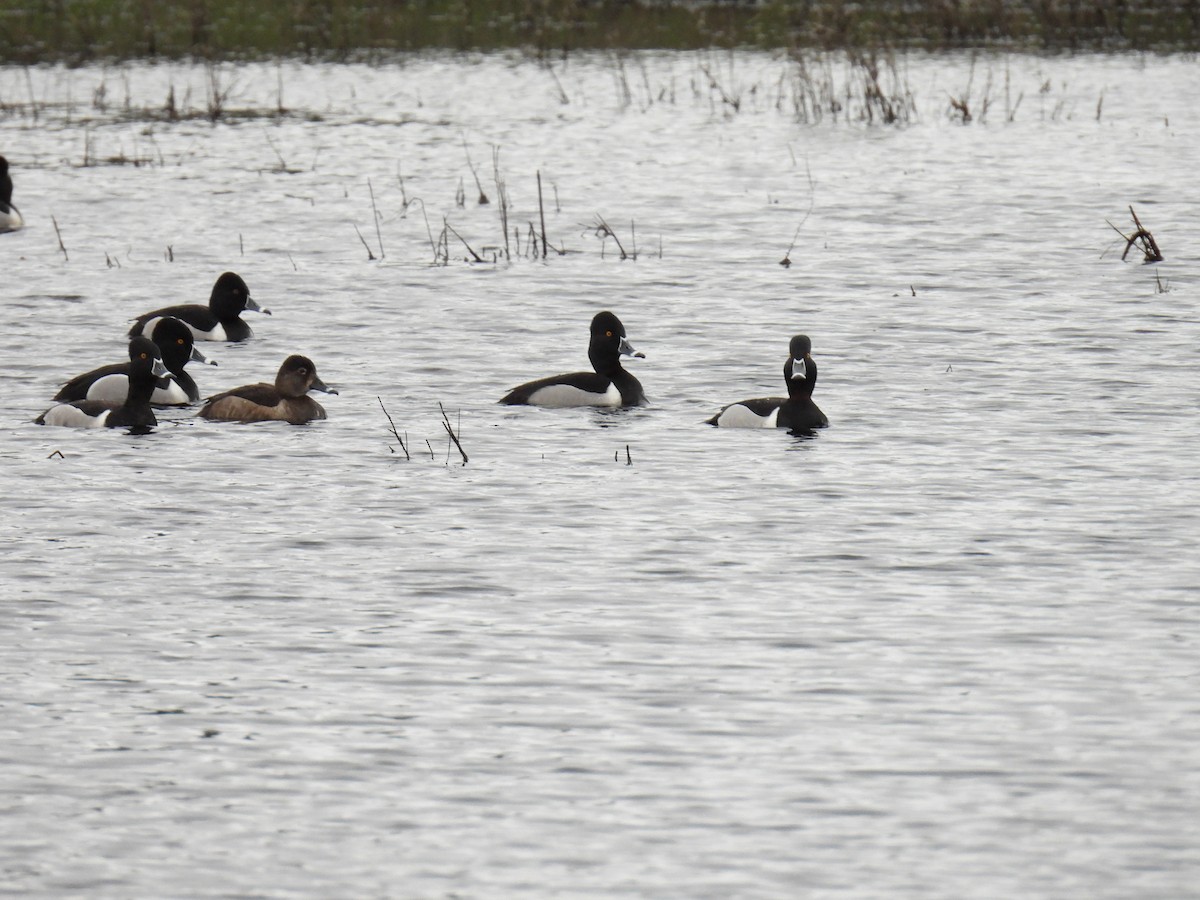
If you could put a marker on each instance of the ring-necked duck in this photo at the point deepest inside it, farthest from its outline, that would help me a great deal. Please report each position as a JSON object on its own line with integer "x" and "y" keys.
{"x": 795, "y": 411}
{"x": 219, "y": 321}
{"x": 608, "y": 385}
{"x": 145, "y": 371}
{"x": 10, "y": 216}
{"x": 285, "y": 401}
{"x": 110, "y": 384}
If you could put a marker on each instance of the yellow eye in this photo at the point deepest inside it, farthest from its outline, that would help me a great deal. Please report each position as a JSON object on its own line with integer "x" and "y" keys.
{"x": 144, "y": 356}
{"x": 180, "y": 342}
{"x": 608, "y": 334}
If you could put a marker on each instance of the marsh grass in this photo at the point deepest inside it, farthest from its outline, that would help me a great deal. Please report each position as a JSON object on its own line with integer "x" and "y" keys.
{"x": 81, "y": 31}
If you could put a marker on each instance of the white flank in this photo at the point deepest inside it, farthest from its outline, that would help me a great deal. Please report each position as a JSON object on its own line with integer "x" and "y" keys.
{"x": 738, "y": 416}
{"x": 563, "y": 395}
{"x": 109, "y": 389}
{"x": 115, "y": 388}
{"x": 148, "y": 328}
{"x": 11, "y": 220}
{"x": 73, "y": 417}
{"x": 217, "y": 333}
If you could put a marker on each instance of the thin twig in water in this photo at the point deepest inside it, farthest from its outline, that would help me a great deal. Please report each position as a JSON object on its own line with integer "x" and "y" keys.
{"x": 541, "y": 212}
{"x": 600, "y": 227}
{"x": 812, "y": 194}
{"x": 375, "y": 215}
{"x": 393, "y": 427}
{"x": 483, "y": 198}
{"x": 502, "y": 193}
{"x": 282, "y": 163}
{"x": 60, "y": 240}
{"x": 1150, "y": 251}
{"x": 370, "y": 255}
{"x": 475, "y": 255}
{"x": 450, "y": 431}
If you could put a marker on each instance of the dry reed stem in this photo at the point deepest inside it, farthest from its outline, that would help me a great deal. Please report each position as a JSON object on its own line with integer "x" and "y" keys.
{"x": 375, "y": 216}
{"x": 1149, "y": 247}
{"x": 61, "y": 246}
{"x": 541, "y": 212}
{"x": 393, "y": 427}
{"x": 450, "y": 432}
{"x": 370, "y": 255}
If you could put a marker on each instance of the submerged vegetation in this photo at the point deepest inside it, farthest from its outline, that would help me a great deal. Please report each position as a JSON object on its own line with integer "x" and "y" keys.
{"x": 79, "y": 31}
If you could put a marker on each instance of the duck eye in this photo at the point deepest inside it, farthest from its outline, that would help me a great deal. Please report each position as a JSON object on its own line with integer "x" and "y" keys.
{"x": 608, "y": 334}
{"x": 180, "y": 342}
{"x": 144, "y": 356}
{"x": 302, "y": 370}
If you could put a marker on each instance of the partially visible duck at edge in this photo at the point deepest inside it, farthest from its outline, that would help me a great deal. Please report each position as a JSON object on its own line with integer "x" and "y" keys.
{"x": 110, "y": 384}
{"x": 10, "y": 216}
{"x": 796, "y": 411}
{"x": 219, "y": 321}
{"x": 608, "y": 385}
{"x": 286, "y": 400}
{"x": 146, "y": 371}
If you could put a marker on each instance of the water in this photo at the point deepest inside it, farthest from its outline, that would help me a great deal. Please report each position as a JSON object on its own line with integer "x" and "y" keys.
{"x": 944, "y": 648}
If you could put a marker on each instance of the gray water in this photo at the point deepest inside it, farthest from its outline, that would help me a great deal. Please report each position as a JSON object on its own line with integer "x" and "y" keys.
{"x": 944, "y": 648}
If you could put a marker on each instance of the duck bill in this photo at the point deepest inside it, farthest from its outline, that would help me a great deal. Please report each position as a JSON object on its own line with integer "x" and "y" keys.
{"x": 319, "y": 385}
{"x": 252, "y": 305}
{"x": 162, "y": 373}
{"x": 199, "y": 357}
{"x": 627, "y": 349}
{"x": 798, "y": 371}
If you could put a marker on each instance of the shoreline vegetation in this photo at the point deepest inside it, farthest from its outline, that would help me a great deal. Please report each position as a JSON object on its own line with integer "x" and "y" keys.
{"x": 78, "y": 32}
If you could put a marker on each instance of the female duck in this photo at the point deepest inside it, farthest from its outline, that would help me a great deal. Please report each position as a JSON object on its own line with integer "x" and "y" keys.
{"x": 219, "y": 321}
{"x": 145, "y": 371}
{"x": 110, "y": 384}
{"x": 796, "y": 411}
{"x": 10, "y": 216}
{"x": 608, "y": 385}
{"x": 285, "y": 401}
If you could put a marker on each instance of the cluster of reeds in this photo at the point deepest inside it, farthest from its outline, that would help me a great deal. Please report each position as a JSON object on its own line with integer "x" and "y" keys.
{"x": 452, "y": 436}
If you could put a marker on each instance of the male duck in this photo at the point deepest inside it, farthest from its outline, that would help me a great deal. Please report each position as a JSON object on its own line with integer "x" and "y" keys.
{"x": 110, "y": 383}
{"x": 145, "y": 371}
{"x": 219, "y": 321}
{"x": 608, "y": 385}
{"x": 10, "y": 216}
{"x": 796, "y": 411}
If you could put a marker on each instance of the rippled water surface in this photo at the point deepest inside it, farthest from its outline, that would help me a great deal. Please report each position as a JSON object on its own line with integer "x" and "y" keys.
{"x": 945, "y": 648}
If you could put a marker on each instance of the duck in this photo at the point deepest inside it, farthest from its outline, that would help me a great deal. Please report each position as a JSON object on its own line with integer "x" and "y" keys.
{"x": 286, "y": 400}
{"x": 219, "y": 321}
{"x": 609, "y": 385}
{"x": 110, "y": 383}
{"x": 10, "y": 216}
{"x": 796, "y": 411}
{"x": 146, "y": 370}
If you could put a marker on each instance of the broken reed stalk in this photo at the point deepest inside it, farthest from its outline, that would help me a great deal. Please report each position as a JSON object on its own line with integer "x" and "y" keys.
{"x": 603, "y": 231}
{"x": 450, "y": 431}
{"x": 475, "y": 255}
{"x": 370, "y": 255}
{"x": 541, "y": 212}
{"x": 393, "y": 427}
{"x": 1149, "y": 247}
{"x": 282, "y": 162}
{"x": 628, "y": 456}
{"x": 502, "y": 194}
{"x": 483, "y": 197}
{"x": 61, "y": 246}
{"x": 375, "y": 216}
